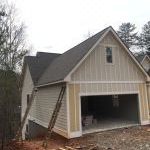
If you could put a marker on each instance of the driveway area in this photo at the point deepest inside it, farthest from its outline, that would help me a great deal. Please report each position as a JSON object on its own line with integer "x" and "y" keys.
{"x": 133, "y": 138}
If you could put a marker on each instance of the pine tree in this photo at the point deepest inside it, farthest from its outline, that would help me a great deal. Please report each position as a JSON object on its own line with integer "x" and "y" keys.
{"x": 128, "y": 35}
{"x": 145, "y": 37}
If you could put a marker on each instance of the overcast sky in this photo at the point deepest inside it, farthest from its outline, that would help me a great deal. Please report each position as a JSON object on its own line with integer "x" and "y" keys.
{"x": 57, "y": 25}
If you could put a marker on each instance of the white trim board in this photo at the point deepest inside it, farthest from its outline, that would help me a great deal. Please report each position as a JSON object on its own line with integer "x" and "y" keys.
{"x": 95, "y": 82}
{"x": 75, "y": 134}
{"x": 51, "y": 83}
{"x": 108, "y": 93}
{"x": 68, "y": 111}
{"x": 145, "y": 122}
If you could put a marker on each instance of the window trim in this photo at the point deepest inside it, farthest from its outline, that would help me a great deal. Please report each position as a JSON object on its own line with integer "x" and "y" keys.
{"x": 28, "y": 99}
{"x": 27, "y": 128}
{"x": 107, "y": 63}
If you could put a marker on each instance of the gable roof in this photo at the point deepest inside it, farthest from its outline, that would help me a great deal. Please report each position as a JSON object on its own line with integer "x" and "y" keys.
{"x": 59, "y": 68}
{"x": 62, "y": 65}
{"x": 37, "y": 64}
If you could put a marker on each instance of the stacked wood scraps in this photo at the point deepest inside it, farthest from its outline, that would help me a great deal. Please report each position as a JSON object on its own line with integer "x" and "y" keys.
{"x": 89, "y": 147}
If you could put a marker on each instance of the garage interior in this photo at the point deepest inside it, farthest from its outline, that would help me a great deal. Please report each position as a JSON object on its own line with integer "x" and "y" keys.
{"x": 109, "y": 112}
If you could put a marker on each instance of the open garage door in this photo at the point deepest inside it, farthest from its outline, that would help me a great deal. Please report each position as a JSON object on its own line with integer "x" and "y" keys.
{"x": 109, "y": 112}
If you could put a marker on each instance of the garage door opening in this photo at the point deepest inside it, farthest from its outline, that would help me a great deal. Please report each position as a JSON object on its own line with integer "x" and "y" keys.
{"x": 108, "y": 112}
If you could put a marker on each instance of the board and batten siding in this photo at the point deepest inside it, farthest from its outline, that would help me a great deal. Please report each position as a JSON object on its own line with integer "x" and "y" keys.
{"x": 26, "y": 89}
{"x": 95, "y": 77}
{"x": 44, "y": 105}
{"x": 95, "y": 68}
{"x": 148, "y": 90}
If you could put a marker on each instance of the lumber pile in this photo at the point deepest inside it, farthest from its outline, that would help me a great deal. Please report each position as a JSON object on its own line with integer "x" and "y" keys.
{"x": 87, "y": 120}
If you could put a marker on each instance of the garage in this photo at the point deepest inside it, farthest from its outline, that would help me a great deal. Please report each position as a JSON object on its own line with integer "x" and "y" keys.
{"x": 105, "y": 112}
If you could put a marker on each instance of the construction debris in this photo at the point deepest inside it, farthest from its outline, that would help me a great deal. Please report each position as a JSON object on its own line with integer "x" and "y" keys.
{"x": 130, "y": 138}
{"x": 88, "y": 147}
{"x": 87, "y": 120}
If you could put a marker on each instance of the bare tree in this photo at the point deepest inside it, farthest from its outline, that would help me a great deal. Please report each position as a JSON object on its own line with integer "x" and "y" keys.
{"x": 12, "y": 47}
{"x": 12, "y": 50}
{"x": 88, "y": 35}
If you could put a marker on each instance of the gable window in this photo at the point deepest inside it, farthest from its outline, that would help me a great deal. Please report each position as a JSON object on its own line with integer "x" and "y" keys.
{"x": 28, "y": 99}
{"x": 109, "y": 58}
{"x": 27, "y": 128}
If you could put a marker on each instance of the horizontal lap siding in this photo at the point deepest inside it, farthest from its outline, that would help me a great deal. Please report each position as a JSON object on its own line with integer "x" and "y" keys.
{"x": 44, "y": 105}
{"x": 27, "y": 89}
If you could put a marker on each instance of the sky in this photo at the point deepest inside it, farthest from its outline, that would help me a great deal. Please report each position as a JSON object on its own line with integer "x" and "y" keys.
{"x": 57, "y": 25}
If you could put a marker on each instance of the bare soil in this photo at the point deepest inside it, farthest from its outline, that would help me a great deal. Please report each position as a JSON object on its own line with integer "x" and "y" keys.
{"x": 134, "y": 138}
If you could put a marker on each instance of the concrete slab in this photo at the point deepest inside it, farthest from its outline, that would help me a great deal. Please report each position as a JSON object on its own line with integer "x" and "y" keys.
{"x": 108, "y": 124}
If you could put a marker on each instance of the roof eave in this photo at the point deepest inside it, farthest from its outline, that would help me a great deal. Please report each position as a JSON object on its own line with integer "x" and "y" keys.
{"x": 51, "y": 83}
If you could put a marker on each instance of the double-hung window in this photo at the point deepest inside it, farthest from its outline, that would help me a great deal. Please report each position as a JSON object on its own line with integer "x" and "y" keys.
{"x": 109, "y": 57}
{"x": 28, "y": 99}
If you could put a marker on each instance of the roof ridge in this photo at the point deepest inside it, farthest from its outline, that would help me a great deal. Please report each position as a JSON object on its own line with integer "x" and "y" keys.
{"x": 88, "y": 39}
{"x": 47, "y": 53}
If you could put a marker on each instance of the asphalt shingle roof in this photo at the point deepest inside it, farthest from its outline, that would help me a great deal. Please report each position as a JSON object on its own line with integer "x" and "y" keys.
{"x": 60, "y": 67}
{"x": 37, "y": 64}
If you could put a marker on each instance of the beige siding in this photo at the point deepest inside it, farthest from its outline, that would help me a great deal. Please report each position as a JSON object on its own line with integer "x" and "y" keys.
{"x": 44, "y": 105}
{"x": 95, "y": 68}
{"x": 74, "y": 107}
{"x": 146, "y": 64}
{"x": 95, "y": 77}
{"x": 77, "y": 90}
{"x": 105, "y": 88}
{"x": 27, "y": 89}
{"x": 144, "y": 102}
{"x": 148, "y": 91}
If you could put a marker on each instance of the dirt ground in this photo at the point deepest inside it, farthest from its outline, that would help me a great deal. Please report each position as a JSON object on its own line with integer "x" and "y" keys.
{"x": 134, "y": 138}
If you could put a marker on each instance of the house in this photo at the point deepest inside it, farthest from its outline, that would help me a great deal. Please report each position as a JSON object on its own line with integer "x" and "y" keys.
{"x": 144, "y": 59}
{"x": 106, "y": 88}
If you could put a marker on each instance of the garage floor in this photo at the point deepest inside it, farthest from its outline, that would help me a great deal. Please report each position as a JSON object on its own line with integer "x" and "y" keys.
{"x": 100, "y": 113}
{"x": 108, "y": 124}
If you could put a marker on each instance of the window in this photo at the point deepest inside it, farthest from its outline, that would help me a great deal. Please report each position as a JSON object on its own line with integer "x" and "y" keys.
{"x": 109, "y": 55}
{"x": 28, "y": 99}
{"x": 27, "y": 128}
